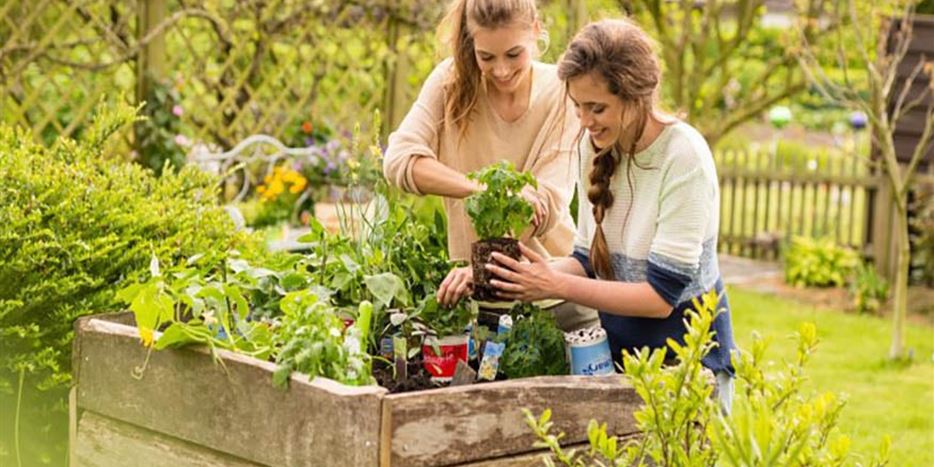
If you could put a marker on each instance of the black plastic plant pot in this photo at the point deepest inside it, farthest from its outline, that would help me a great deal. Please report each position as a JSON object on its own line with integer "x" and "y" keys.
{"x": 480, "y": 254}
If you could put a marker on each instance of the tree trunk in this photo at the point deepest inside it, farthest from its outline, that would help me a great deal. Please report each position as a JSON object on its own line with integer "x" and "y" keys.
{"x": 903, "y": 258}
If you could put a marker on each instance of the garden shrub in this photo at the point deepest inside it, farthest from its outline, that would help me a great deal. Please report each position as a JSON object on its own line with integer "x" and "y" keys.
{"x": 773, "y": 421}
{"x": 77, "y": 223}
{"x": 922, "y": 226}
{"x": 818, "y": 262}
{"x": 869, "y": 289}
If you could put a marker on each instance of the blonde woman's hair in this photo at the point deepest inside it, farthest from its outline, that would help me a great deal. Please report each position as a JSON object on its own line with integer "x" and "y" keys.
{"x": 622, "y": 54}
{"x": 462, "y": 20}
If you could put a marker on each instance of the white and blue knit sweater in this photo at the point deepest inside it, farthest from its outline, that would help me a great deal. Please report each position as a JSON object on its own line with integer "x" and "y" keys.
{"x": 668, "y": 240}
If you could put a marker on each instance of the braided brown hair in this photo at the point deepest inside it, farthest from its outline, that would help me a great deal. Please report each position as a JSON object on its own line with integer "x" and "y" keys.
{"x": 620, "y": 53}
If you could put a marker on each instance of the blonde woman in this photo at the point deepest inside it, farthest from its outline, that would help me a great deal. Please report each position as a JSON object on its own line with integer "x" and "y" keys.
{"x": 491, "y": 101}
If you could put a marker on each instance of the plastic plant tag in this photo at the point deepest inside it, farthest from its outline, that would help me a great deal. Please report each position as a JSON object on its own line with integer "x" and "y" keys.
{"x": 489, "y": 366}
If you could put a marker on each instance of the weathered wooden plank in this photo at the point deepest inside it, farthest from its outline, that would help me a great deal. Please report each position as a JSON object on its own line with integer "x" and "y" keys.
{"x": 535, "y": 458}
{"x": 530, "y": 459}
{"x": 483, "y": 421}
{"x": 232, "y": 408}
{"x": 104, "y": 442}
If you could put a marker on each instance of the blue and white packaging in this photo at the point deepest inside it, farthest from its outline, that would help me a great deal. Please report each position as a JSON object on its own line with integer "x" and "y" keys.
{"x": 505, "y": 324}
{"x": 589, "y": 352}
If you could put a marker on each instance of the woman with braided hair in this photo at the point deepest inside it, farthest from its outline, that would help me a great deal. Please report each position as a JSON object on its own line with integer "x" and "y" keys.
{"x": 649, "y": 205}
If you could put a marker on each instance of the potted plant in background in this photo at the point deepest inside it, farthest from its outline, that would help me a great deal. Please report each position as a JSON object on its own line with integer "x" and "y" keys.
{"x": 499, "y": 214}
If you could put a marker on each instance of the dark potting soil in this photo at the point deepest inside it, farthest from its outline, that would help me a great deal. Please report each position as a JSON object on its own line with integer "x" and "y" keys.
{"x": 418, "y": 378}
{"x": 480, "y": 255}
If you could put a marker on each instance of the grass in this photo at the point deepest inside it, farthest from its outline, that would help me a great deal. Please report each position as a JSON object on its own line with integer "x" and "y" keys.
{"x": 883, "y": 397}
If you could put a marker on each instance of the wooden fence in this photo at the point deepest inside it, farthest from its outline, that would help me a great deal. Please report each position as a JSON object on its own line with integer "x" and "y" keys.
{"x": 766, "y": 197}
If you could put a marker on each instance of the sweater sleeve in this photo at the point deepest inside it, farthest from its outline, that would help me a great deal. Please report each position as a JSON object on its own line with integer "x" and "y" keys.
{"x": 555, "y": 171}
{"x": 684, "y": 213}
{"x": 419, "y": 133}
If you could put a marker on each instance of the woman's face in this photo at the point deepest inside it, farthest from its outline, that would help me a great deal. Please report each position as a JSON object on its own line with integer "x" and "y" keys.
{"x": 599, "y": 111}
{"x": 505, "y": 54}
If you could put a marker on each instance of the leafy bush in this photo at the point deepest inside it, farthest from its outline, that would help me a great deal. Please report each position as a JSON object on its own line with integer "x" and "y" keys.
{"x": 534, "y": 346}
{"x": 922, "y": 248}
{"x": 499, "y": 210}
{"x": 869, "y": 290}
{"x": 772, "y": 421}
{"x": 818, "y": 262}
{"x": 76, "y": 224}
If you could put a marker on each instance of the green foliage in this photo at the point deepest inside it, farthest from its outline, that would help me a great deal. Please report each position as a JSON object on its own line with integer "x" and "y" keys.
{"x": 311, "y": 341}
{"x": 922, "y": 248}
{"x": 868, "y": 289}
{"x": 500, "y": 210}
{"x": 772, "y": 423}
{"x": 76, "y": 224}
{"x": 534, "y": 346}
{"x": 446, "y": 321}
{"x": 818, "y": 262}
{"x": 197, "y": 302}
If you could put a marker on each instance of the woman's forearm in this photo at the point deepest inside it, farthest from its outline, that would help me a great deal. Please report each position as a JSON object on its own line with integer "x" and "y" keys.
{"x": 434, "y": 178}
{"x": 619, "y": 298}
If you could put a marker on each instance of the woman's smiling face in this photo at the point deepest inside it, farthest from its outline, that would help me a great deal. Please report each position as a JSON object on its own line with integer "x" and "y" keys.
{"x": 504, "y": 54}
{"x": 599, "y": 111}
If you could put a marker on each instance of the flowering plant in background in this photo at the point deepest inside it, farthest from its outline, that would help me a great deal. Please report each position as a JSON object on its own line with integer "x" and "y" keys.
{"x": 282, "y": 194}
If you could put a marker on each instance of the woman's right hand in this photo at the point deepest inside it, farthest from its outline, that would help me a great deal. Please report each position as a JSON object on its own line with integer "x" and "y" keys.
{"x": 538, "y": 205}
{"x": 457, "y": 285}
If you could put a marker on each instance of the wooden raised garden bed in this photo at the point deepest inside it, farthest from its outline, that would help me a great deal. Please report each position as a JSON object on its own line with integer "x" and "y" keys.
{"x": 188, "y": 410}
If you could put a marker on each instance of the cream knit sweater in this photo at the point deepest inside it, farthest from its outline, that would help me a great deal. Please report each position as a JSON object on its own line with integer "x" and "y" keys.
{"x": 540, "y": 142}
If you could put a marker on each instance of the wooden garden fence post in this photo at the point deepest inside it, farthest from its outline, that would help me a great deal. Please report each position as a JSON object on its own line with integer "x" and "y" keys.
{"x": 150, "y": 62}
{"x": 397, "y": 69}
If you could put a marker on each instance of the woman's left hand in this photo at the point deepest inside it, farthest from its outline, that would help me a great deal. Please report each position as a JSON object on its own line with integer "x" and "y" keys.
{"x": 527, "y": 282}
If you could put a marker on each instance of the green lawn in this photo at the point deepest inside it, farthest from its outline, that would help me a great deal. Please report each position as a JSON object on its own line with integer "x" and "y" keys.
{"x": 883, "y": 397}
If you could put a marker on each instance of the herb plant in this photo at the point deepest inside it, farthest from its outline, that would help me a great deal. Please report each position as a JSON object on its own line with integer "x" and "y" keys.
{"x": 311, "y": 340}
{"x": 446, "y": 321}
{"x": 500, "y": 210}
{"x": 534, "y": 346}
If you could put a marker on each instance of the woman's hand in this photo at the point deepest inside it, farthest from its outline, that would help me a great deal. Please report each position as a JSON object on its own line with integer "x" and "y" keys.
{"x": 527, "y": 282}
{"x": 538, "y": 205}
{"x": 457, "y": 285}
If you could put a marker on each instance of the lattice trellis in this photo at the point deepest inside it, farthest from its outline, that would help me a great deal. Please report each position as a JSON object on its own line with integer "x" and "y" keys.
{"x": 240, "y": 67}
{"x": 58, "y": 59}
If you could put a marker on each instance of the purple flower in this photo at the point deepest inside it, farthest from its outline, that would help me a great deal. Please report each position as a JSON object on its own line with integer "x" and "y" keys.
{"x": 309, "y": 141}
{"x": 177, "y": 110}
{"x": 329, "y": 168}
